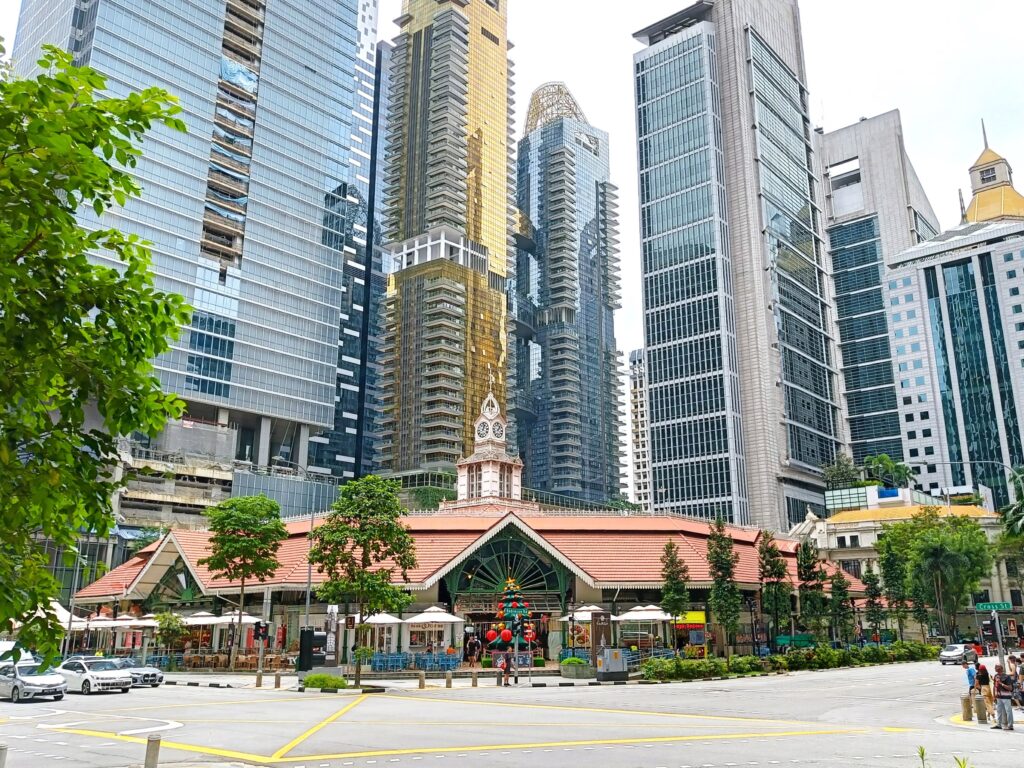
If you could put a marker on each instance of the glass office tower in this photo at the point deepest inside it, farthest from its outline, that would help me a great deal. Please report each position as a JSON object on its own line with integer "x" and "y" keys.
{"x": 253, "y": 218}
{"x": 571, "y": 445}
{"x": 738, "y": 340}
{"x": 448, "y": 197}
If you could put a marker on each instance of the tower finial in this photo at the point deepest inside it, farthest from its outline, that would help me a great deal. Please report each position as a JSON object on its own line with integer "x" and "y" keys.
{"x": 963, "y": 208}
{"x": 984, "y": 133}
{"x": 490, "y": 377}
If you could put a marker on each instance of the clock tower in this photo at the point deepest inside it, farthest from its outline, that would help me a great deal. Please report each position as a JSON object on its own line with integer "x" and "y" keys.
{"x": 490, "y": 472}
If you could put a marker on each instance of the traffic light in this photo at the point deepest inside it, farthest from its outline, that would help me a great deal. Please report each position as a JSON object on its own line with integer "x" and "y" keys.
{"x": 988, "y": 630}
{"x": 261, "y": 630}
{"x": 517, "y": 625}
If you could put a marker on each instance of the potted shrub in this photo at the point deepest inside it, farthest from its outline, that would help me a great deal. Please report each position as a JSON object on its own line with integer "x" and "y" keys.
{"x": 574, "y": 668}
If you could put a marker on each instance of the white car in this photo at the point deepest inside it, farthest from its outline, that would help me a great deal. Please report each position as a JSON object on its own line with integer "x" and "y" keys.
{"x": 28, "y": 679}
{"x": 87, "y": 675}
{"x": 957, "y": 653}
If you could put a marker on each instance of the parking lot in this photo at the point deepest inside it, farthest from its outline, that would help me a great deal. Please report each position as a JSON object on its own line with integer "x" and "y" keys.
{"x": 864, "y": 717}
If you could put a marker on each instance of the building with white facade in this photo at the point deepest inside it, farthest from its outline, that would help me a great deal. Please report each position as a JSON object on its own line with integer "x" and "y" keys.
{"x": 638, "y": 429}
{"x": 957, "y": 320}
{"x": 875, "y": 209}
{"x": 740, "y": 348}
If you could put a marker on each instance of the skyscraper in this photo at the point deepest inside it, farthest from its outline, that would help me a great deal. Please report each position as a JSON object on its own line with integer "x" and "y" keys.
{"x": 876, "y": 208}
{"x": 639, "y": 429}
{"x": 253, "y": 218}
{"x": 958, "y": 332}
{"x": 738, "y": 339}
{"x": 568, "y": 273}
{"x": 449, "y": 217}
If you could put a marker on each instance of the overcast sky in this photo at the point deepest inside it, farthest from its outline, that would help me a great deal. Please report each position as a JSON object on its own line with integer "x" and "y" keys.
{"x": 946, "y": 64}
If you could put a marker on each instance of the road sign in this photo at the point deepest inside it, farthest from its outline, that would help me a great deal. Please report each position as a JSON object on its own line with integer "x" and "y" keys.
{"x": 993, "y": 607}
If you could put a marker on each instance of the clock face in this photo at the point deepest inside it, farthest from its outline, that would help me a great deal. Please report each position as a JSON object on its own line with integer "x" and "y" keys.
{"x": 498, "y": 430}
{"x": 481, "y": 430}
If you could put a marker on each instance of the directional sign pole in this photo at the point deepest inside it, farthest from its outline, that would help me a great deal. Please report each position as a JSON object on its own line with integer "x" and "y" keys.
{"x": 999, "y": 639}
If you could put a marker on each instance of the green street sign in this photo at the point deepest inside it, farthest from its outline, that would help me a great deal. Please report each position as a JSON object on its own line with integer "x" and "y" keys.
{"x": 993, "y": 607}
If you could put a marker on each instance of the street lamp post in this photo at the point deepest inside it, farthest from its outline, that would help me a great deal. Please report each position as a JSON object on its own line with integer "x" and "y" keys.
{"x": 572, "y": 627}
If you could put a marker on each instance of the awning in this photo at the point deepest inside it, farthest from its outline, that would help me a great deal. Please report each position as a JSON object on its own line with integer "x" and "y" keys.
{"x": 644, "y": 614}
{"x": 435, "y": 615}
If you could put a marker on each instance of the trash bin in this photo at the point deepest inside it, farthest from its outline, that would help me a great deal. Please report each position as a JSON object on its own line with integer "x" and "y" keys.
{"x": 966, "y": 712}
{"x": 611, "y": 665}
{"x": 979, "y": 710}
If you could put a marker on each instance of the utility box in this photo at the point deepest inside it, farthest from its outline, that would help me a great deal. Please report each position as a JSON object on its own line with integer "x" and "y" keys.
{"x": 611, "y": 665}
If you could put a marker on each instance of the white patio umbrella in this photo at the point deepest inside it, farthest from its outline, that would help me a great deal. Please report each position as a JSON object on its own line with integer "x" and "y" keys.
{"x": 435, "y": 615}
{"x": 582, "y": 613}
{"x": 133, "y": 622}
{"x": 644, "y": 614}
{"x": 201, "y": 619}
{"x": 379, "y": 619}
{"x": 232, "y": 618}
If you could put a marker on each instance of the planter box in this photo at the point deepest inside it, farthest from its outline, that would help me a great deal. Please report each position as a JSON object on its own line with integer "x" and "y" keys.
{"x": 577, "y": 671}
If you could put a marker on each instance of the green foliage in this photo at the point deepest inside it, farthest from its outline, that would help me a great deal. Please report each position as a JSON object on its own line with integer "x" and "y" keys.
{"x": 843, "y": 473}
{"x": 170, "y": 629}
{"x": 574, "y": 660}
{"x": 840, "y": 606}
{"x": 486, "y": 663}
{"x": 874, "y": 612}
{"x": 895, "y": 474}
{"x": 675, "y": 596}
{"x": 145, "y": 538}
{"x": 363, "y": 654}
{"x": 360, "y": 547}
{"x": 775, "y": 587}
{"x": 1013, "y": 513}
{"x": 430, "y": 498}
{"x": 538, "y": 661}
{"x": 814, "y": 607}
{"x": 724, "y": 598}
{"x": 683, "y": 669}
{"x": 247, "y": 533}
{"x": 621, "y": 502}
{"x": 320, "y": 680}
{"x": 76, "y": 338}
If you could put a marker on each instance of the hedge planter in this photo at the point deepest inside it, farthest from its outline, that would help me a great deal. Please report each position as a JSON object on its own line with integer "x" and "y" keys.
{"x": 577, "y": 671}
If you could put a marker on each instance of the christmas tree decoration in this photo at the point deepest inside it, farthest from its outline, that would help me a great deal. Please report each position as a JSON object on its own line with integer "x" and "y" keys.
{"x": 515, "y": 631}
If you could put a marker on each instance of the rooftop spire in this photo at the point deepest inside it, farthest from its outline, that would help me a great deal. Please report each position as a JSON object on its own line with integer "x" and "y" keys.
{"x": 550, "y": 102}
{"x": 984, "y": 134}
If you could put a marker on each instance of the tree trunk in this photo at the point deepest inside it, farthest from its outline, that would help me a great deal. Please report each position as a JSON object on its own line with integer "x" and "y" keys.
{"x": 358, "y": 658}
{"x": 238, "y": 627}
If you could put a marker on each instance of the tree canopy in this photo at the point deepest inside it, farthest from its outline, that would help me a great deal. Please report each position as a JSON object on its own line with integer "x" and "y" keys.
{"x": 724, "y": 599}
{"x": 76, "y": 336}
{"x": 874, "y": 611}
{"x": 842, "y": 473}
{"x": 775, "y": 587}
{"x": 675, "y": 595}
{"x": 247, "y": 533}
{"x": 361, "y": 545}
{"x": 814, "y": 607}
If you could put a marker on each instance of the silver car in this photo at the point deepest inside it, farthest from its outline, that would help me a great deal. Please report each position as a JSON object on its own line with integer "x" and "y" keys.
{"x": 957, "y": 653}
{"x": 141, "y": 674}
{"x": 30, "y": 680}
{"x": 87, "y": 675}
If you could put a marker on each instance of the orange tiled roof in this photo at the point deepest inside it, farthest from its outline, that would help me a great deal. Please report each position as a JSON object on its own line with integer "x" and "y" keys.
{"x": 604, "y": 549}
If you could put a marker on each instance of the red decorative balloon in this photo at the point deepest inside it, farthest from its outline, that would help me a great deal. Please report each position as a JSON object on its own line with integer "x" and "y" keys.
{"x": 506, "y": 635}
{"x": 526, "y": 605}
{"x": 491, "y": 636}
{"x": 515, "y": 605}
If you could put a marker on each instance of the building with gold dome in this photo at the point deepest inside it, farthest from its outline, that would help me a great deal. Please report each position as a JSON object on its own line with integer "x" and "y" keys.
{"x": 957, "y": 310}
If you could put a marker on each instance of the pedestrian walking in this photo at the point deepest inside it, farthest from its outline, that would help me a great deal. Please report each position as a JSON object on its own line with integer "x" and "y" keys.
{"x": 983, "y": 685}
{"x": 472, "y": 650}
{"x": 1003, "y": 684}
{"x": 971, "y": 673}
{"x": 507, "y": 660}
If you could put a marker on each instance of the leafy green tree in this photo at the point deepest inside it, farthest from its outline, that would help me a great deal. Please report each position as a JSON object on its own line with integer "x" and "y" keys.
{"x": 146, "y": 537}
{"x": 359, "y": 548}
{"x": 247, "y": 533}
{"x": 840, "y": 607}
{"x": 76, "y": 337}
{"x": 893, "y": 473}
{"x": 170, "y": 629}
{"x": 893, "y": 568}
{"x": 724, "y": 599}
{"x": 1013, "y": 513}
{"x": 675, "y": 596}
{"x": 814, "y": 607}
{"x": 919, "y": 608}
{"x": 775, "y": 587}
{"x": 842, "y": 473}
{"x": 874, "y": 612}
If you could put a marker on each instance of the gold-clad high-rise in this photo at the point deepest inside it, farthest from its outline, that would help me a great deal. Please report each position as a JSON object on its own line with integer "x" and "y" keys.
{"x": 448, "y": 201}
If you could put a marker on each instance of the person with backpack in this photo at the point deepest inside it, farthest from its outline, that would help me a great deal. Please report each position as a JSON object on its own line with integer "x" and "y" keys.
{"x": 1003, "y": 684}
{"x": 983, "y": 685}
{"x": 971, "y": 673}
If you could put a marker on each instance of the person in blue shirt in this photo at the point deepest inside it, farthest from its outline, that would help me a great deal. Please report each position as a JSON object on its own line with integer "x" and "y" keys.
{"x": 972, "y": 673}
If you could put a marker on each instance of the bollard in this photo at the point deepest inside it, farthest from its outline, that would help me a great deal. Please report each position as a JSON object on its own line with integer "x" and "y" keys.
{"x": 498, "y": 677}
{"x": 153, "y": 751}
{"x": 473, "y": 676}
{"x": 980, "y": 711}
{"x": 966, "y": 713}
{"x": 423, "y": 680}
{"x": 277, "y": 679}
{"x": 3, "y": 755}
{"x": 447, "y": 679}
{"x": 259, "y": 678}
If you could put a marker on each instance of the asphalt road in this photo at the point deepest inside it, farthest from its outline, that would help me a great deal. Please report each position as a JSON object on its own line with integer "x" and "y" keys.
{"x": 872, "y": 717}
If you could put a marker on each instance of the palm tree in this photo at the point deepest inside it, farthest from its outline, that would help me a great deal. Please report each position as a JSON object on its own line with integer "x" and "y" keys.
{"x": 890, "y": 472}
{"x": 1013, "y": 513}
{"x": 936, "y": 562}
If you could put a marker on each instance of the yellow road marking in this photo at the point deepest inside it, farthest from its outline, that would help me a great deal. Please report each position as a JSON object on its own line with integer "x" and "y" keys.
{"x": 491, "y": 723}
{"x": 888, "y": 729}
{"x": 602, "y": 710}
{"x": 323, "y": 723}
{"x": 581, "y": 743}
{"x": 261, "y": 759}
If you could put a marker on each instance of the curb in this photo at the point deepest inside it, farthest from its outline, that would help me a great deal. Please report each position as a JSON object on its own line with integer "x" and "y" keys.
{"x": 193, "y": 684}
{"x": 344, "y": 691}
